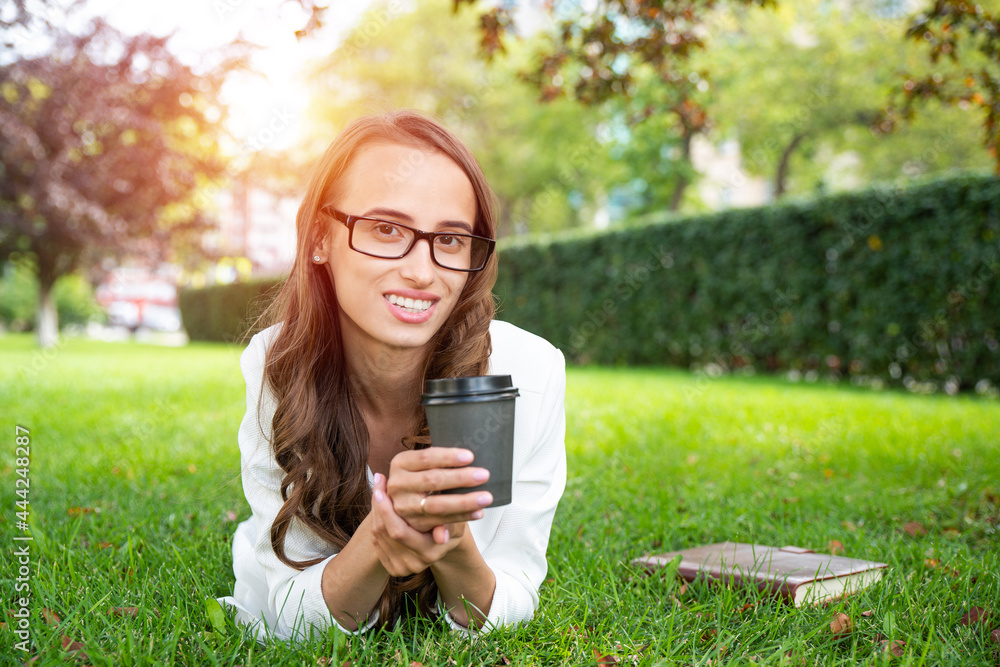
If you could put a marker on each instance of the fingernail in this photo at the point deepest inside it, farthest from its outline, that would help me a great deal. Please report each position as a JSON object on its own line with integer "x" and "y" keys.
{"x": 379, "y": 496}
{"x": 447, "y": 535}
{"x": 484, "y": 499}
{"x": 377, "y": 478}
{"x": 481, "y": 475}
{"x": 478, "y": 514}
{"x": 465, "y": 456}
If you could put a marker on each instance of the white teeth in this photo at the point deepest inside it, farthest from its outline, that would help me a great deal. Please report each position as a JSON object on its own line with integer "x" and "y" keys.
{"x": 410, "y": 305}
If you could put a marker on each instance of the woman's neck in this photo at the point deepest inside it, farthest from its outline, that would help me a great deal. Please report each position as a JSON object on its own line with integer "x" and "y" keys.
{"x": 387, "y": 381}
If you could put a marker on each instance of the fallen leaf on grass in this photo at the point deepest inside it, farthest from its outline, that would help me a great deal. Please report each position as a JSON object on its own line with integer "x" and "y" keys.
{"x": 683, "y": 589}
{"x": 868, "y": 613}
{"x": 849, "y": 526}
{"x": 975, "y": 615}
{"x": 77, "y": 511}
{"x": 75, "y": 648}
{"x": 835, "y": 547}
{"x": 895, "y": 647}
{"x": 914, "y": 528}
{"x": 841, "y": 624}
{"x": 995, "y": 636}
{"x": 130, "y": 612}
{"x": 416, "y": 664}
{"x": 104, "y": 545}
{"x": 797, "y": 660}
{"x": 601, "y": 659}
{"x": 216, "y": 615}
{"x": 50, "y": 617}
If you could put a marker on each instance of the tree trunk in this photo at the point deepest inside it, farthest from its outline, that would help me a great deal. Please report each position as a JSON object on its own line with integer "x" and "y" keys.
{"x": 46, "y": 318}
{"x": 682, "y": 182}
{"x": 781, "y": 175}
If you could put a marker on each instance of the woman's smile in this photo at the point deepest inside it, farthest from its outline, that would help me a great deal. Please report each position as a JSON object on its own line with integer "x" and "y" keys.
{"x": 407, "y": 306}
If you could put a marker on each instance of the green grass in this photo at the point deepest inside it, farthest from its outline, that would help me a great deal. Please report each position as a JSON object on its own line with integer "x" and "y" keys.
{"x": 134, "y": 482}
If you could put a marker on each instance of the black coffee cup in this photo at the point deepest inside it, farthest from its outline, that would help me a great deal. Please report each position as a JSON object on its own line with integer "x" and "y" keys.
{"x": 476, "y": 413}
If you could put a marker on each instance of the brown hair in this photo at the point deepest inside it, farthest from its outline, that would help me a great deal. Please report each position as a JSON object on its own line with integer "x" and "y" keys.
{"x": 318, "y": 433}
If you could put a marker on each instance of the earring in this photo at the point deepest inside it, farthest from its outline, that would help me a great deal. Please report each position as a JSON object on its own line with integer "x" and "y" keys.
{"x": 316, "y": 258}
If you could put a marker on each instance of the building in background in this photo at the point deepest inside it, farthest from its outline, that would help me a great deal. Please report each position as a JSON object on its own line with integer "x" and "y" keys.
{"x": 258, "y": 225}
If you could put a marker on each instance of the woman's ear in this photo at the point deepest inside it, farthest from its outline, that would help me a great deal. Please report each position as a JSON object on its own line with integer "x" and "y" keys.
{"x": 319, "y": 254}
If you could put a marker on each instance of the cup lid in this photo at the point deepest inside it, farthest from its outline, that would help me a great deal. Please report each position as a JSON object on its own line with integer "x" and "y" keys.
{"x": 468, "y": 386}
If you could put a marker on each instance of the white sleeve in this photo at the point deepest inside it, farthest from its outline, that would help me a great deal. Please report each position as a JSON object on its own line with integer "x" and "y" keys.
{"x": 289, "y": 600}
{"x": 513, "y": 539}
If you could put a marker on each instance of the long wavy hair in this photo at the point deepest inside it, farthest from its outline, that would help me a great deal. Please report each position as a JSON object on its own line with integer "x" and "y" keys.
{"x": 319, "y": 436}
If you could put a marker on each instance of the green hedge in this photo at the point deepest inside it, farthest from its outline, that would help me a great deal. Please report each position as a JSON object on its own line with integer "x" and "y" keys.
{"x": 224, "y": 312}
{"x": 887, "y": 286}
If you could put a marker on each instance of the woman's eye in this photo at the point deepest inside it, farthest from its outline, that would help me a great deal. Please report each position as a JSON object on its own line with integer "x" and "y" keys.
{"x": 386, "y": 229}
{"x": 450, "y": 242}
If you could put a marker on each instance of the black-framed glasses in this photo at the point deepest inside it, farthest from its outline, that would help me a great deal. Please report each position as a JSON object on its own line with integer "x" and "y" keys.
{"x": 391, "y": 240}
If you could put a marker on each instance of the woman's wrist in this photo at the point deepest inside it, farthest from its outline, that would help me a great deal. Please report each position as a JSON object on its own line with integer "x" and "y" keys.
{"x": 465, "y": 583}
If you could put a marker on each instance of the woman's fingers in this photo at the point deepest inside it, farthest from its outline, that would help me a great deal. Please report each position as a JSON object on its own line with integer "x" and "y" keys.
{"x": 455, "y": 507}
{"x": 433, "y": 457}
{"x": 433, "y": 469}
{"x": 400, "y": 547}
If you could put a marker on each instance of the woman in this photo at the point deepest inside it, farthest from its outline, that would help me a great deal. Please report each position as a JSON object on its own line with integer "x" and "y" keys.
{"x": 391, "y": 286}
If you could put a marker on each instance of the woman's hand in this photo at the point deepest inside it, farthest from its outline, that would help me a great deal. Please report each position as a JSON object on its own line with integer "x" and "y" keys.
{"x": 411, "y": 529}
{"x": 415, "y": 475}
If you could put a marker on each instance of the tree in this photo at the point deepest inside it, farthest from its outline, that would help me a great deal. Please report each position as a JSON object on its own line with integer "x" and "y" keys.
{"x": 630, "y": 56}
{"x": 966, "y": 36}
{"x": 803, "y": 85}
{"x": 103, "y": 140}
{"x": 545, "y": 162}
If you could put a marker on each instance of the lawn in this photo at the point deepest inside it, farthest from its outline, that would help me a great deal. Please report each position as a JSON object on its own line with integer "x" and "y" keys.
{"x": 134, "y": 492}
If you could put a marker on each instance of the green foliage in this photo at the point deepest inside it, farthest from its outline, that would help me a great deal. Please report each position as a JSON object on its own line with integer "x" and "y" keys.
{"x": 543, "y": 161}
{"x": 839, "y": 66}
{"x": 73, "y": 296}
{"x": 135, "y": 495}
{"x": 18, "y": 297}
{"x": 889, "y": 285}
{"x": 225, "y": 312}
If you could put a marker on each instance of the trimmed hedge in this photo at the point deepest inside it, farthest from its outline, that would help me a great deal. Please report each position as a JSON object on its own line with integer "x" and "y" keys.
{"x": 888, "y": 285}
{"x": 225, "y": 312}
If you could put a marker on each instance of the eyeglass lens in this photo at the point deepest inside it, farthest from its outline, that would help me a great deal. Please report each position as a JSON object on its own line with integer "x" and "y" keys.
{"x": 385, "y": 239}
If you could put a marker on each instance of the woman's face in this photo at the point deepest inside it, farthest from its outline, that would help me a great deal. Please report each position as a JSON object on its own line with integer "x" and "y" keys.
{"x": 419, "y": 188}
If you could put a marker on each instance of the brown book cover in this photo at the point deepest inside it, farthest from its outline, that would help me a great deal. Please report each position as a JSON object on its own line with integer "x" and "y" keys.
{"x": 798, "y": 575}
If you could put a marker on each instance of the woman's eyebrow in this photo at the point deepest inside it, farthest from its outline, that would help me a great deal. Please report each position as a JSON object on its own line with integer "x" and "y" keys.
{"x": 379, "y": 212}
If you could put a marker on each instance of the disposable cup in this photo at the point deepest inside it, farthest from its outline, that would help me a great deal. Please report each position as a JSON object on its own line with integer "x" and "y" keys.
{"x": 476, "y": 413}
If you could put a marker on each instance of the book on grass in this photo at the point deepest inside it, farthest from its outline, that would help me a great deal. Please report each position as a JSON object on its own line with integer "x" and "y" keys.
{"x": 798, "y": 575}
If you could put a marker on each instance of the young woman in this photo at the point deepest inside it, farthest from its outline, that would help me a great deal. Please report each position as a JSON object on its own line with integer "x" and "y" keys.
{"x": 391, "y": 286}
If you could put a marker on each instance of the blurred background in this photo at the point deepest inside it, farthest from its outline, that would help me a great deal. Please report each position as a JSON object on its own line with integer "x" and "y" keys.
{"x": 154, "y": 147}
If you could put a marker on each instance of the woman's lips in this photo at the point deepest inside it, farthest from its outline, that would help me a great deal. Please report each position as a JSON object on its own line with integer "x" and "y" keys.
{"x": 409, "y": 309}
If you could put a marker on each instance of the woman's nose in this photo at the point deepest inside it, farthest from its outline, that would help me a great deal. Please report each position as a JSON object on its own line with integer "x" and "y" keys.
{"x": 418, "y": 265}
